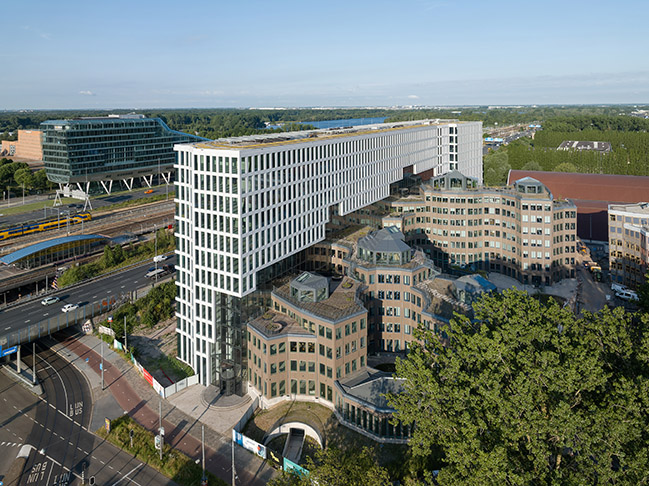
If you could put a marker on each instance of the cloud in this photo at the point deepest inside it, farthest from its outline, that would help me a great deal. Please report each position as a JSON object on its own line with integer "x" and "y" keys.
{"x": 87, "y": 93}
{"x": 42, "y": 35}
{"x": 413, "y": 97}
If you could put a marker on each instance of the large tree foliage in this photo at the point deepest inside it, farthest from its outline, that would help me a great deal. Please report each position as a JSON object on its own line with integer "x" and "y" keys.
{"x": 529, "y": 394}
{"x": 335, "y": 467}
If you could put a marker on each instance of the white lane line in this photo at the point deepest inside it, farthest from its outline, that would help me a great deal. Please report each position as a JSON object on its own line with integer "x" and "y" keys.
{"x": 7, "y": 328}
{"x": 128, "y": 474}
{"x": 65, "y": 392}
{"x": 28, "y": 320}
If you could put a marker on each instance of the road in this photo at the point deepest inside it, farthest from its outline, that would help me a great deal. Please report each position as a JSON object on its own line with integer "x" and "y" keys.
{"x": 97, "y": 203}
{"x": 56, "y": 426}
{"x": 20, "y": 317}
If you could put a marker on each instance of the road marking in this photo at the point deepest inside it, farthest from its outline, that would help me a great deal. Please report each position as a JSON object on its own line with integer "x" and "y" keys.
{"x": 7, "y": 328}
{"x": 28, "y": 320}
{"x": 46, "y": 314}
{"x": 128, "y": 474}
{"x": 94, "y": 296}
{"x": 65, "y": 392}
{"x": 123, "y": 286}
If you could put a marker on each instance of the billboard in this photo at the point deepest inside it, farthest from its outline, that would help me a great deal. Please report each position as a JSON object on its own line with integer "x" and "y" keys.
{"x": 248, "y": 443}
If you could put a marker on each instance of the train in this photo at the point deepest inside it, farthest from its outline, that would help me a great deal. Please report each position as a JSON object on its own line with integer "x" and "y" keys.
{"x": 45, "y": 225}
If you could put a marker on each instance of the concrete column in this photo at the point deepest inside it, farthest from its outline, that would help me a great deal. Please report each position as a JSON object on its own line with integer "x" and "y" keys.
{"x": 18, "y": 360}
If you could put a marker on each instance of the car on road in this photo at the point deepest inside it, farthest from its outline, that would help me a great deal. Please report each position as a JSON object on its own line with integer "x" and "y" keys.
{"x": 149, "y": 191}
{"x": 49, "y": 300}
{"x": 159, "y": 258}
{"x": 69, "y": 307}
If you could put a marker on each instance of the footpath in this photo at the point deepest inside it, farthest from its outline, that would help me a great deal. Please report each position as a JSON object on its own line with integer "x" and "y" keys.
{"x": 126, "y": 392}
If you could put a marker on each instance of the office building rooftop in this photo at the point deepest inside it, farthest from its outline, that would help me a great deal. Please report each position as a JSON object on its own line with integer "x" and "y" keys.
{"x": 305, "y": 136}
{"x": 342, "y": 302}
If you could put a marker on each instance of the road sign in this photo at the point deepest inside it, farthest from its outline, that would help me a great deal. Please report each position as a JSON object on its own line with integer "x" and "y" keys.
{"x": 107, "y": 424}
{"x": 8, "y": 351}
{"x": 162, "y": 431}
{"x": 158, "y": 442}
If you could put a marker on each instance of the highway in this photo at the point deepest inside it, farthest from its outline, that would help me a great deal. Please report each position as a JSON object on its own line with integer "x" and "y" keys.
{"x": 56, "y": 426}
{"x": 20, "y": 317}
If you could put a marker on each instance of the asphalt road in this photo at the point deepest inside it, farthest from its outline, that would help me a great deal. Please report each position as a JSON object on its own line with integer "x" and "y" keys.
{"x": 17, "y": 415}
{"x": 97, "y": 203}
{"x": 20, "y": 317}
{"x": 56, "y": 425}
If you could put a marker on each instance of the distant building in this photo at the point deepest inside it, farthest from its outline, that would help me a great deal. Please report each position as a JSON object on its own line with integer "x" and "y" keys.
{"x": 28, "y": 146}
{"x": 592, "y": 194}
{"x": 109, "y": 148}
{"x": 602, "y": 147}
{"x": 628, "y": 231}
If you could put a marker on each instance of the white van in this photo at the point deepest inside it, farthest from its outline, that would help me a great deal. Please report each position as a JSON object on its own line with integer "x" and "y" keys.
{"x": 615, "y": 287}
{"x": 626, "y": 295}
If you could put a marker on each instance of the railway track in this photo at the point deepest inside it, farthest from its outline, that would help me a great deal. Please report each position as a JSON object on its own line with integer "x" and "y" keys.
{"x": 136, "y": 220}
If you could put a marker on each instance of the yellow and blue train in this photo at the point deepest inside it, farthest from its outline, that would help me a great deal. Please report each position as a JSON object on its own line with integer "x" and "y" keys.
{"x": 48, "y": 224}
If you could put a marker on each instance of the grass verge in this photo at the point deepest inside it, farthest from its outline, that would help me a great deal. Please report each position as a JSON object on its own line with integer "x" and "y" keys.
{"x": 137, "y": 202}
{"x": 175, "y": 464}
{"x": 27, "y": 208}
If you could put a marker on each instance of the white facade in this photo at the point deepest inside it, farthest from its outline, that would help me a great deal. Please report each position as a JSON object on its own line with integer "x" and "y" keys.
{"x": 246, "y": 203}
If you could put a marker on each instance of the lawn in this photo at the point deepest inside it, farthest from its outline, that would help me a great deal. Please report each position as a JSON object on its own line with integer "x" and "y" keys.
{"x": 34, "y": 206}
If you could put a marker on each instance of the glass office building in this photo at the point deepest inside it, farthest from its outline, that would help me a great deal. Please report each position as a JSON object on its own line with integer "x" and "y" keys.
{"x": 114, "y": 147}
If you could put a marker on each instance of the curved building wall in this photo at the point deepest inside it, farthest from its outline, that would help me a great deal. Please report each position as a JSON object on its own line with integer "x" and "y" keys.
{"x": 108, "y": 148}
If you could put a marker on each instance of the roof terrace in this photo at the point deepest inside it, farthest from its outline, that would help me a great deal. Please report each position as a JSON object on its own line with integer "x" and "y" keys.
{"x": 343, "y": 300}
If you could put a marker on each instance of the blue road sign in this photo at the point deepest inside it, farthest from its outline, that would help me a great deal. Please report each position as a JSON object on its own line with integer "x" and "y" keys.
{"x": 9, "y": 351}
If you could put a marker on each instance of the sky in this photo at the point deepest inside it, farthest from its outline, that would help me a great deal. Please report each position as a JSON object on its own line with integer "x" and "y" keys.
{"x": 206, "y": 54}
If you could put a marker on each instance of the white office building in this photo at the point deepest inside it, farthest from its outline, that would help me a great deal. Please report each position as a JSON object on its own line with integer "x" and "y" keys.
{"x": 246, "y": 205}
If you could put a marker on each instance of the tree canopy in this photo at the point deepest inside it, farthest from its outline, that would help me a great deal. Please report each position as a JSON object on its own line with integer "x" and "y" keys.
{"x": 529, "y": 394}
{"x": 335, "y": 467}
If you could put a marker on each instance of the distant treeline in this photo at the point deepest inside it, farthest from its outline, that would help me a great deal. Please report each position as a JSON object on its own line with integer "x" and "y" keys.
{"x": 226, "y": 122}
{"x": 628, "y": 136}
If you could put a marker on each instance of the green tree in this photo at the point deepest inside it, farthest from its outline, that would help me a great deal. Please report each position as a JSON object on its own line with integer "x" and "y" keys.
{"x": 108, "y": 260}
{"x": 532, "y": 165}
{"x": 496, "y": 167}
{"x": 529, "y": 394}
{"x": 565, "y": 167}
{"x": 40, "y": 180}
{"x": 7, "y": 172}
{"x": 335, "y": 467}
{"x": 26, "y": 177}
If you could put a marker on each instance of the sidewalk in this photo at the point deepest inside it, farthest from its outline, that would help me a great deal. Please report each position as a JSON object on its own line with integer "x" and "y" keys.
{"x": 566, "y": 288}
{"x": 182, "y": 415}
